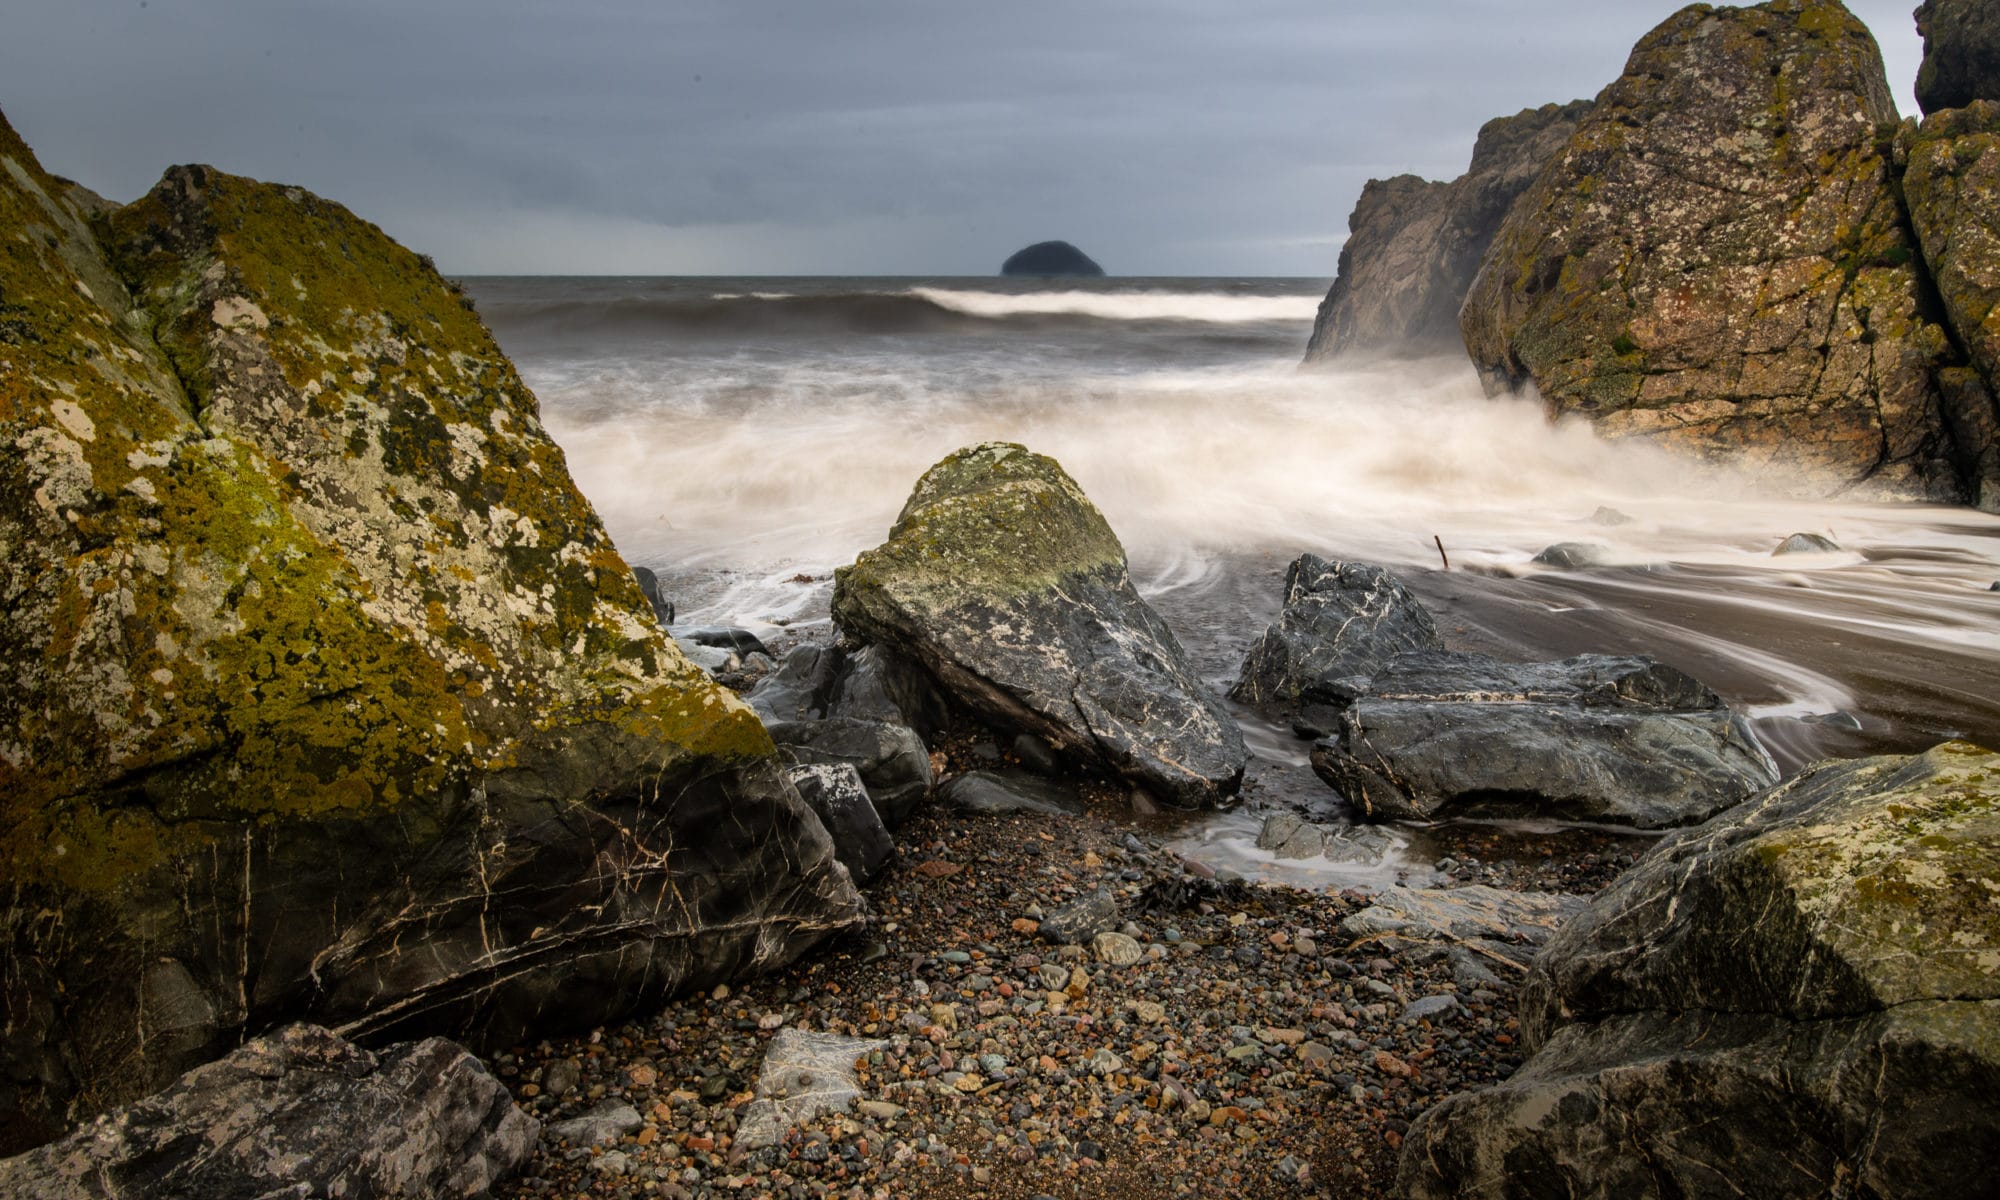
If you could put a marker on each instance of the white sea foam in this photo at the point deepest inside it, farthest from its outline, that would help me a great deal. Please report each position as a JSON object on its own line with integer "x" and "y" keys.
{"x": 1127, "y": 306}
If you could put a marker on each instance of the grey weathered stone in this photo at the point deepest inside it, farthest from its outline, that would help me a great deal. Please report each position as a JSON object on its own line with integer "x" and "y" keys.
{"x": 1807, "y": 543}
{"x": 1288, "y": 835}
{"x": 1571, "y": 555}
{"x": 1006, "y": 583}
{"x": 1800, "y": 998}
{"x": 1961, "y": 53}
{"x": 1076, "y": 923}
{"x": 604, "y": 1124}
{"x": 1340, "y": 619}
{"x": 804, "y": 1074}
{"x": 991, "y": 792}
{"x": 892, "y": 759}
{"x": 1496, "y": 924}
{"x": 298, "y": 1112}
{"x": 1597, "y": 737}
{"x": 1414, "y": 246}
{"x": 817, "y": 681}
{"x": 860, "y": 840}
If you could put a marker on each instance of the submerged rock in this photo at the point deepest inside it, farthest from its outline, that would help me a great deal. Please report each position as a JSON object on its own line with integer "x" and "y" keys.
{"x": 1807, "y": 543}
{"x": 299, "y": 1112}
{"x": 1010, "y": 589}
{"x": 1573, "y": 555}
{"x": 1340, "y": 619}
{"x": 1414, "y": 246}
{"x": 313, "y": 649}
{"x": 1050, "y": 259}
{"x": 1961, "y": 53}
{"x": 1797, "y": 999}
{"x": 1717, "y": 259}
{"x": 1597, "y": 737}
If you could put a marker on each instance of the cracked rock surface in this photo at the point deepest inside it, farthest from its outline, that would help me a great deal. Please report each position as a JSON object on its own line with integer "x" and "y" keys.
{"x": 1799, "y": 998}
{"x": 1005, "y": 583}
{"x": 1340, "y": 619}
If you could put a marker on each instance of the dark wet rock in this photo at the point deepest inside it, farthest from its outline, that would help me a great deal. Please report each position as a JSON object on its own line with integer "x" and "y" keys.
{"x": 1036, "y": 755}
{"x": 345, "y": 659}
{"x": 989, "y": 793}
{"x": 1414, "y": 246}
{"x": 1050, "y": 259}
{"x": 1807, "y": 543}
{"x": 649, "y": 586}
{"x": 1961, "y": 53}
{"x": 298, "y": 1112}
{"x": 817, "y": 680}
{"x": 740, "y": 642}
{"x": 1951, "y": 184}
{"x": 1007, "y": 585}
{"x": 1081, "y": 920}
{"x": 1718, "y": 260}
{"x": 1572, "y": 555}
{"x": 1340, "y": 619}
{"x": 860, "y": 839}
{"x": 1796, "y": 999}
{"x": 1598, "y": 737}
{"x": 892, "y": 760}
{"x": 1289, "y": 836}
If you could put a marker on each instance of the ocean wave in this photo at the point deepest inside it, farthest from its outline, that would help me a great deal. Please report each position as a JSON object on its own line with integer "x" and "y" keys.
{"x": 1199, "y": 307}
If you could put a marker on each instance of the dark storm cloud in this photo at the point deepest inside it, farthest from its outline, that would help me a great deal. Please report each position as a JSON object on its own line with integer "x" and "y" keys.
{"x": 817, "y": 136}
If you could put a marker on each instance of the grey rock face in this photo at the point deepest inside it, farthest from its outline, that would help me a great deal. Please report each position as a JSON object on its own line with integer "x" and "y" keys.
{"x": 1598, "y": 737}
{"x": 1961, "y": 53}
{"x": 1414, "y": 246}
{"x": 818, "y": 681}
{"x": 602, "y": 1125}
{"x": 1010, "y": 589}
{"x": 835, "y": 792}
{"x": 1340, "y": 619}
{"x": 1797, "y": 999}
{"x": 989, "y": 793}
{"x": 892, "y": 760}
{"x": 298, "y": 1112}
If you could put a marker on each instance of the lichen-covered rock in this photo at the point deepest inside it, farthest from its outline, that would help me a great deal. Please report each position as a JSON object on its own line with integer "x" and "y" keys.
{"x": 300, "y": 1112}
{"x": 1718, "y": 260}
{"x": 1961, "y": 53}
{"x": 313, "y": 652}
{"x": 1799, "y": 998}
{"x": 1010, "y": 589}
{"x": 1951, "y": 185}
{"x": 1339, "y": 619}
{"x": 1598, "y": 737}
{"x": 1414, "y": 246}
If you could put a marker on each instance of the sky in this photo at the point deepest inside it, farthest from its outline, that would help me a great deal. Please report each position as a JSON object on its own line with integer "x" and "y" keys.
{"x": 896, "y": 137}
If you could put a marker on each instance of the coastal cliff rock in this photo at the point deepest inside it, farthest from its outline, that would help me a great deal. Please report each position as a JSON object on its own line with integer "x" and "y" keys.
{"x": 1961, "y": 53}
{"x": 1718, "y": 259}
{"x": 297, "y": 1113}
{"x": 1005, "y": 583}
{"x": 315, "y": 654}
{"x": 1415, "y": 245}
{"x": 1799, "y": 998}
{"x": 1951, "y": 184}
{"x": 1050, "y": 259}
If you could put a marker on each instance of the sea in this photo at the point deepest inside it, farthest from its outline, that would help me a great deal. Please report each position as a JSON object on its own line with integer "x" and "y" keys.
{"x": 743, "y": 437}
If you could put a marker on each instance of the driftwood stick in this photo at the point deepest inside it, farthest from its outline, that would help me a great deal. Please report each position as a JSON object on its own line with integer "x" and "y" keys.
{"x": 1441, "y": 554}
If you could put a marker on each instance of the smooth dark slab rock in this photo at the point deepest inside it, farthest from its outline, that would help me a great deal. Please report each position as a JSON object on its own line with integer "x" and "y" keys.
{"x": 1340, "y": 619}
{"x": 891, "y": 759}
{"x": 1609, "y": 738}
{"x": 1010, "y": 589}
{"x": 1796, "y": 999}
{"x": 860, "y": 840}
{"x": 1050, "y": 259}
{"x": 723, "y": 637}
{"x": 818, "y": 680}
{"x": 298, "y": 1112}
{"x": 1961, "y": 53}
{"x": 649, "y": 585}
{"x": 989, "y": 793}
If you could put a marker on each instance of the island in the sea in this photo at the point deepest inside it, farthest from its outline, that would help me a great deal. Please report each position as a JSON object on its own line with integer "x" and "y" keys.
{"x": 1048, "y": 259}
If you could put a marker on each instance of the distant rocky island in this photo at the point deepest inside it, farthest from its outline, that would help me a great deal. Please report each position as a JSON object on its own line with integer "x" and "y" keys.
{"x": 1051, "y": 260}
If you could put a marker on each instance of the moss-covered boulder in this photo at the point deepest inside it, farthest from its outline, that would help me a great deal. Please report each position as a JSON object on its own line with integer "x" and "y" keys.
{"x": 1961, "y": 53}
{"x": 1414, "y": 245}
{"x": 1004, "y": 582}
{"x": 328, "y": 696}
{"x": 1718, "y": 259}
{"x": 1799, "y": 998}
{"x": 1951, "y": 184}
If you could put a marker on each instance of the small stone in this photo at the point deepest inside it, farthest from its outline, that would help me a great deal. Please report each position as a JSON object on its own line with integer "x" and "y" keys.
{"x": 1116, "y": 949}
{"x": 1149, "y": 1012}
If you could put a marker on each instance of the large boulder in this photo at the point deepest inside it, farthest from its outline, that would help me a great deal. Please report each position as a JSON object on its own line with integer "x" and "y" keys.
{"x": 1050, "y": 259}
{"x": 1961, "y": 53}
{"x": 1951, "y": 184}
{"x": 1799, "y": 998}
{"x": 300, "y": 1112}
{"x": 1005, "y": 583}
{"x": 1718, "y": 260}
{"x": 1340, "y": 619}
{"x": 328, "y": 696}
{"x": 1618, "y": 738}
{"x": 1414, "y": 246}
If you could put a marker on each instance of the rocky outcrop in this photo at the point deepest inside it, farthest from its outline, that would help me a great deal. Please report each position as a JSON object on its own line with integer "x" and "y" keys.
{"x": 1951, "y": 184}
{"x": 1799, "y": 998}
{"x": 1005, "y": 583}
{"x": 1598, "y": 737}
{"x": 314, "y": 651}
{"x": 297, "y": 1113}
{"x": 1339, "y": 619}
{"x": 1961, "y": 53}
{"x": 1050, "y": 259}
{"x": 1718, "y": 260}
{"x": 1414, "y": 246}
